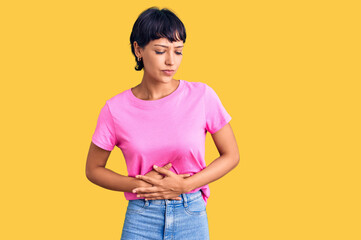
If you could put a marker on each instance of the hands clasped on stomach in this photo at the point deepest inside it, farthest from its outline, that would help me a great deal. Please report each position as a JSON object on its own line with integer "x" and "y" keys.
{"x": 160, "y": 183}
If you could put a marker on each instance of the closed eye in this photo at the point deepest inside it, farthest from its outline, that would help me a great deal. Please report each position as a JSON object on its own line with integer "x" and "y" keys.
{"x": 179, "y": 53}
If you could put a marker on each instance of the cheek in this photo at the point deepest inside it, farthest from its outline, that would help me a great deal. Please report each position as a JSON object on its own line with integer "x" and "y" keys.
{"x": 155, "y": 61}
{"x": 154, "y": 66}
{"x": 179, "y": 62}
{"x": 149, "y": 62}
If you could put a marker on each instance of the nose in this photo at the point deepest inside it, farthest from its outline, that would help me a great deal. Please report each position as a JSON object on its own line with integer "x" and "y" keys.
{"x": 169, "y": 59}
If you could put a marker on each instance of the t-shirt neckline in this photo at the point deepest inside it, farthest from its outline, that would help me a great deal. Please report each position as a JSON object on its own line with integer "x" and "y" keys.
{"x": 157, "y": 102}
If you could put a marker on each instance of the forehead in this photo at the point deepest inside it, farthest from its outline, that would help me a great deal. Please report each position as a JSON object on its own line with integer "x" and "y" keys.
{"x": 165, "y": 42}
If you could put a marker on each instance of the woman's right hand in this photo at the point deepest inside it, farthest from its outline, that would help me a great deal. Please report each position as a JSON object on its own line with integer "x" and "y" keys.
{"x": 157, "y": 175}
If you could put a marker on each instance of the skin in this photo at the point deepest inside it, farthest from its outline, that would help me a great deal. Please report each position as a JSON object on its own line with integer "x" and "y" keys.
{"x": 160, "y": 183}
{"x": 156, "y": 84}
{"x": 172, "y": 185}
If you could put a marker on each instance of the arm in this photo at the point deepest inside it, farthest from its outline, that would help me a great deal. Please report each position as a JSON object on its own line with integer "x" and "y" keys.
{"x": 226, "y": 144}
{"x": 172, "y": 185}
{"x": 106, "y": 178}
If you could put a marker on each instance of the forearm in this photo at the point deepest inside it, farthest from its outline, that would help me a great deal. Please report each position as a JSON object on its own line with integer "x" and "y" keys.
{"x": 215, "y": 170}
{"x": 111, "y": 180}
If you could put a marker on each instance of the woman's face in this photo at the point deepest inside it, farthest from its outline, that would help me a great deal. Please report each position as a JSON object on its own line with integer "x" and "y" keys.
{"x": 159, "y": 55}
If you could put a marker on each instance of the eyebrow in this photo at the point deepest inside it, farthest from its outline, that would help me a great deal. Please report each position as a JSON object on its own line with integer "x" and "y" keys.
{"x": 167, "y": 46}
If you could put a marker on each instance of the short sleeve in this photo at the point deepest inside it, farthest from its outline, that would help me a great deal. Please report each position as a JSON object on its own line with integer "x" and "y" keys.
{"x": 216, "y": 115}
{"x": 104, "y": 135}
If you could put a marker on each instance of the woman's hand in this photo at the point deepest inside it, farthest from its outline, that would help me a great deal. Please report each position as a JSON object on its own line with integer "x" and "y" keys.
{"x": 154, "y": 174}
{"x": 169, "y": 187}
{"x": 157, "y": 175}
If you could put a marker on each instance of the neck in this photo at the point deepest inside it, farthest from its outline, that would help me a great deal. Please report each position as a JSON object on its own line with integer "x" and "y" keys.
{"x": 153, "y": 89}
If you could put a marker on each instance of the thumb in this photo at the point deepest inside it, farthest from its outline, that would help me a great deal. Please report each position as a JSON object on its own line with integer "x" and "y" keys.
{"x": 167, "y": 166}
{"x": 184, "y": 175}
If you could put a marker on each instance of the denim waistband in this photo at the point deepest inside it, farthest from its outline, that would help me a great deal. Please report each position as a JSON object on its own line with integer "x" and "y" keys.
{"x": 186, "y": 197}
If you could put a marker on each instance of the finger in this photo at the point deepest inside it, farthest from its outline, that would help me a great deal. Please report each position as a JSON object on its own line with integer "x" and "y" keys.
{"x": 167, "y": 166}
{"x": 145, "y": 189}
{"x": 184, "y": 175}
{"x": 163, "y": 171}
{"x": 154, "y": 196}
{"x": 148, "y": 196}
{"x": 160, "y": 197}
{"x": 150, "y": 180}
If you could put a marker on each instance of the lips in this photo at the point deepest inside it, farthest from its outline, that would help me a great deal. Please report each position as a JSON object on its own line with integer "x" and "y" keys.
{"x": 168, "y": 72}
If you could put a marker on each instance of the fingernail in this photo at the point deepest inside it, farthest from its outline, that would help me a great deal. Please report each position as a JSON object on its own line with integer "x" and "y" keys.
{"x": 155, "y": 166}
{"x": 134, "y": 191}
{"x": 137, "y": 176}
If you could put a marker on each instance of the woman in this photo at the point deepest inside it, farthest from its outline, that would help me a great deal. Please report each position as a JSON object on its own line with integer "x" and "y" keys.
{"x": 162, "y": 122}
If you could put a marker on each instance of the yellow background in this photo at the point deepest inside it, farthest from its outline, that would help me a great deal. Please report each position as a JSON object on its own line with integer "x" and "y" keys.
{"x": 288, "y": 72}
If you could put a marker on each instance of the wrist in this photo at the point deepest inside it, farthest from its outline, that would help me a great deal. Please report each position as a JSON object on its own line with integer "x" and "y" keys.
{"x": 187, "y": 185}
{"x": 141, "y": 183}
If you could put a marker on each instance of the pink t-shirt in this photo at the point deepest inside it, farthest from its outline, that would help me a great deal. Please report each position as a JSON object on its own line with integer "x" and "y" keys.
{"x": 170, "y": 129}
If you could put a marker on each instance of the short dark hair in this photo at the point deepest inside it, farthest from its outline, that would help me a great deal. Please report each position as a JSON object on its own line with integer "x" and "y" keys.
{"x": 152, "y": 24}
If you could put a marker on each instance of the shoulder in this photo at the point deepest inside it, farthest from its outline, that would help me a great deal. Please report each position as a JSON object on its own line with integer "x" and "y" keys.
{"x": 201, "y": 89}
{"x": 195, "y": 87}
{"x": 116, "y": 101}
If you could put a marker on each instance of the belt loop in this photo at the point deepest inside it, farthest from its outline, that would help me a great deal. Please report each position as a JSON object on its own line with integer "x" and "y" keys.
{"x": 146, "y": 203}
{"x": 184, "y": 200}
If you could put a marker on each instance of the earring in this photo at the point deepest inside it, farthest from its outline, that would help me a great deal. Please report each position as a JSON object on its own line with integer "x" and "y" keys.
{"x": 139, "y": 59}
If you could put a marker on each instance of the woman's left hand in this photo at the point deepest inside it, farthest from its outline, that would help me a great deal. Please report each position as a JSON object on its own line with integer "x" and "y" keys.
{"x": 171, "y": 186}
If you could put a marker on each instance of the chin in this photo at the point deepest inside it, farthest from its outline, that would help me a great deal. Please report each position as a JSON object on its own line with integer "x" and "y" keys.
{"x": 167, "y": 78}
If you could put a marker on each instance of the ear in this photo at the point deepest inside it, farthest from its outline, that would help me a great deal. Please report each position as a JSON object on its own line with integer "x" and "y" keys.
{"x": 137, "y": 49}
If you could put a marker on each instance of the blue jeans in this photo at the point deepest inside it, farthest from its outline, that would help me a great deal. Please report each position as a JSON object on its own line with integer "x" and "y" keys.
{"x": 167, "y": 219}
